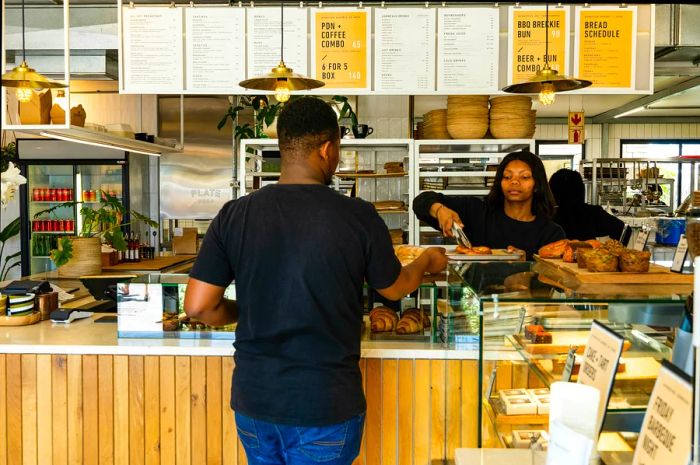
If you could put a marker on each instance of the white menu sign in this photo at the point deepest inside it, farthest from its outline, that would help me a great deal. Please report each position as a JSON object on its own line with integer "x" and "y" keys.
{"x": 599, "y": 365}
{"x": 152, "y": 50}
{"x": 140, "y": 308}
{"x": 467, "y": 50}
{"x": 264, "y": 36}
{"x": 404, "y": 47}
{"x": 665, "y": 437}
{"x": 215, "y": 58}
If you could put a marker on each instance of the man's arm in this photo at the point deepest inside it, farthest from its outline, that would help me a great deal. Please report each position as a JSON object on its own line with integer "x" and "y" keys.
{"x": 206, "y": 303}
{"x": 433, "y": 260}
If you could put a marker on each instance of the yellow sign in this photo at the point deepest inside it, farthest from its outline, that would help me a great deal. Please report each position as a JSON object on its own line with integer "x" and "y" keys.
{"x": 528, "y": 32}
{"x": 577, "y": 129}
{"x": 341, "y": 49}
{"x": 606, "y": 46}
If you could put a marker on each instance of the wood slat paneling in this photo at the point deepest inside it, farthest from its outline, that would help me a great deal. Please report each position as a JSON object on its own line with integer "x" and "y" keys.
{"x": 75, "y": 409}
{"x": 59, "y": 407}
{"x": 437, "y": 409}
{"x": 29, "y": 422}
{"x": 3, "y": 411}
{"x": 373, "y": 426}
{"x": 422, "y": 431}
{"x": 44, "y": 431}
{"x": 389, "y": 411}
{"x": 470, "y": 403}
{"x": 167, "y": 410}
{"x": 14, "y": 409}
{"x": 151, "y": 397}
{"x": 405, "y": 413}
{"x": 183, "y": 440}
{"x": 520, "y": 372}
{"x": 105, "y": 396}
{"x": 90, "y": 409}
{"x": 453, "y": 417}
{"x": 214, "y": 409}
{"x": 137, "y": 445}
{"x": 504, "y": 375}
{"x": 229, "y": 436}
{"x": 121, "y": 410}
{"x": 199, "y": 410}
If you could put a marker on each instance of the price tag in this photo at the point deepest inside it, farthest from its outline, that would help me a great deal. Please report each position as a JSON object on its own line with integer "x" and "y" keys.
{"x": 599, "y": 365}
{"x": 569, "y": 366}
{"x": 680, "y": 255}
{"x": 665, "y": 436}
{"x": 492, "y": 382}
{"x": 641, "y": 241}
{"x": 521, "y": 322}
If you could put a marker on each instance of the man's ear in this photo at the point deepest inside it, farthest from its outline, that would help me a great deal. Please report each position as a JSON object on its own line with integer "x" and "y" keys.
{"x": 325, "y": 149}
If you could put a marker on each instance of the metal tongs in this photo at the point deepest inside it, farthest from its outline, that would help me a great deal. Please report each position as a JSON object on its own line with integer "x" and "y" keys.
{"x": 458, "y": 233}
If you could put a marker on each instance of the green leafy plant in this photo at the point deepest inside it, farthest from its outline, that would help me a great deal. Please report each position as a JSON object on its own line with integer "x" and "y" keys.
{"x": 344, "y": 109}
{"x": 9, "y": 153}
{"x": 104, "y": 222}
{"x": 11, "y": 261}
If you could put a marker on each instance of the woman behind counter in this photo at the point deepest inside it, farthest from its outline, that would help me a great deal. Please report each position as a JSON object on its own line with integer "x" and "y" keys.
{"x": 516, "y": 212}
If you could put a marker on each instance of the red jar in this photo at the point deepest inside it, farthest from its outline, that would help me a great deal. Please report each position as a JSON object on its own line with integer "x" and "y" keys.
{"x": 61, "y": 225}
{"x": 70, "y": 195}
{"x": 36, "y": 194}
{"x": 35, "y": 225}
{"x": 44, "y": 194}
{"x": 70, "y": 225}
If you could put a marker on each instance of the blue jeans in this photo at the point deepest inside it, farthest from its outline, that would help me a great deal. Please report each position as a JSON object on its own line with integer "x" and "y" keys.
{"x": 275, "y": 444}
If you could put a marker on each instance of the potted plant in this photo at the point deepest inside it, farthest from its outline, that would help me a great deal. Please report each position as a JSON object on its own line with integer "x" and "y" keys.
{"x": 81, "y": 254}
{"x": 10, "y": 180}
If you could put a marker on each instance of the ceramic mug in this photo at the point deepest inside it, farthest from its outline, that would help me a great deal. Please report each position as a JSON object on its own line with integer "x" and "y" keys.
{"x": 361, "y": 131}
{"x": 344, "y": 131}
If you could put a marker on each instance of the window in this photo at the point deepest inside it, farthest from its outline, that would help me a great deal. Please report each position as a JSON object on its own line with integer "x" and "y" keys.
{"x": 558, "y": 154}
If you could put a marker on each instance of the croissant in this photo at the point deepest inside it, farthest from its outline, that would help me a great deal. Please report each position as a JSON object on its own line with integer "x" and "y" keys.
{"x": 424, "y": 313}
{"x": 410, "y": 323}
{"x": 553, "y": 249}
{"x": 382, "y": 319}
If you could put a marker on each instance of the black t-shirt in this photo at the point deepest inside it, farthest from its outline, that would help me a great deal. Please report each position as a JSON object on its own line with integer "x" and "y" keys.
{"x": 300, "y": 255}
{"x": 588, "y": 222}
{"x": 488, "y": 226}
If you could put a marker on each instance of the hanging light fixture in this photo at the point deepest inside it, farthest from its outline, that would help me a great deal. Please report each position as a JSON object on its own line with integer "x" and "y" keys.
{"x": 282, "y": 80}
{"x": 25, "y": 78}
{"x": 547, "y": 82}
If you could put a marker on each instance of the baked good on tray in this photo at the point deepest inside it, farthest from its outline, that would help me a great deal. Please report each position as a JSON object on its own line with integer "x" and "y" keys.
{"x": 581, "y": 255}
{"x": 479, "y": 250}
{"x": 407, "y": 253}
{"x": 412, "y": 321}
{"x": 383, "y": 319}
{"x": 613, "y": 246}
{"x": 553, "y": 249}
{"x": 572, "y": 248}
{"x": 601, "y": 260}
{"x": 634, "y": 261}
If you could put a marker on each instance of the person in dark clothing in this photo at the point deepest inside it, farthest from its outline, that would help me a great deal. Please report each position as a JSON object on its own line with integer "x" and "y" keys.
{"x": 580, "y": 220}
{"x": 300, "y": 254}
{"x": 517, "y": 211}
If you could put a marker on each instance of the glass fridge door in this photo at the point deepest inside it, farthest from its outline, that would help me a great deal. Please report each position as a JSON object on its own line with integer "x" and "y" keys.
{"x": 47, "y": 187}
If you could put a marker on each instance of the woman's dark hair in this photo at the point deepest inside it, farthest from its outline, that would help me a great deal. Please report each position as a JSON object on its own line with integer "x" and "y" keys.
{"x": 542, "y": 199}
{"x": 567, "y": 188}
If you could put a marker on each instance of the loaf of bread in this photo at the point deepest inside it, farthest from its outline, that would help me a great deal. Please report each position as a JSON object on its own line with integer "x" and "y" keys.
{"x": 581, "y": 257}
{"x": 554, "y": 249}
{"x": 572, "y": 248}
{"x": 383, "y": 319}
{"x": 613, "y": 246}
{"x": 634, "y": 261}
{"x": 601, "y": 260}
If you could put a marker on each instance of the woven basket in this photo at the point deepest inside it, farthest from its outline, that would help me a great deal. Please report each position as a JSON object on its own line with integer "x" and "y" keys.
{"x": 87, "y": 258}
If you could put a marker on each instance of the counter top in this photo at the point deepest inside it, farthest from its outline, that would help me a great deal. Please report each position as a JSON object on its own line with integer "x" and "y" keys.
{"x": 89, "y": 337}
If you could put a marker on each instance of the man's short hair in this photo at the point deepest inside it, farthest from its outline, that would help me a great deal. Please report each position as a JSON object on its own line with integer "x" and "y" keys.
{"x": 304, "y": 125}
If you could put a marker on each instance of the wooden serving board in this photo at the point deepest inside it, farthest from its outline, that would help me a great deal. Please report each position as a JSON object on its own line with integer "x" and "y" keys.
{"x": 657, "y": 274}
{"x": 561, "y": 341}
{"x": 22, "y": 320}
{"x": 155, "y": 264}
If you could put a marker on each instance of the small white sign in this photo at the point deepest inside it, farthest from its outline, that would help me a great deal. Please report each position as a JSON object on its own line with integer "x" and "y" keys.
{"x": 665, "y": 437}
{"x": 177, "y": 232}
{"x": 569, "y": 366}
{"x": 680, "y": 255}
{"x": 641, "y": 241}
{"x": 599, "y": 365}
{"x": 140, "y": 307}
{"x": 568, "y": 446}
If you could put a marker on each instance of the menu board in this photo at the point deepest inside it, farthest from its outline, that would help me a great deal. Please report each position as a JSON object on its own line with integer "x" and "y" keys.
{"x": 467, "y": 50}
{"x": 665, "y": 437}
{"x": 340, "y": 54}
{"x": 152, "y": 50}
{"x": 215, "y": 59}
{"x": 264, "y": 36}
{"x": 404, "y": 50}
{"x": 526, "y": 41}
{"x": 599, "y": 364}
{"x": 605, "y": 46}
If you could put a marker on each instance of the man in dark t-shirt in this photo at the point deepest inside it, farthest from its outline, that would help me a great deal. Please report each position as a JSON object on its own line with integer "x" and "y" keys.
{"x": 299, "y": 253}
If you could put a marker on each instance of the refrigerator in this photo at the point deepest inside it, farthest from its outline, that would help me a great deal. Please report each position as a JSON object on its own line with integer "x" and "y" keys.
{"x": 59, "y": 171}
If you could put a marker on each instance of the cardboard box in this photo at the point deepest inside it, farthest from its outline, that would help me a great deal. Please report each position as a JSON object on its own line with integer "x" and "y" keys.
{"x": 37, "y": 110}
{"x": 185, "y": 241}
{"x": 520, "y": 406}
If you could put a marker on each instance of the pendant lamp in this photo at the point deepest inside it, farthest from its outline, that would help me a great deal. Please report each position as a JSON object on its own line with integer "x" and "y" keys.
{"x": 547, "y": 82}
{"x": 25, "y": 78}
{"x": 282, "y": 80}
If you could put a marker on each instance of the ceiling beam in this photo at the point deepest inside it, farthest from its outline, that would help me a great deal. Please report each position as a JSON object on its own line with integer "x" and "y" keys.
{"x": 614, "y": 115}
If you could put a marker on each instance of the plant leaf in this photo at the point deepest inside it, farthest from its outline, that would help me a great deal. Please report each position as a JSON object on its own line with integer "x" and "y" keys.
{"x": 7, "y": 270}
{"x": 63, "y": 253}
{"x": 11, "y": 230}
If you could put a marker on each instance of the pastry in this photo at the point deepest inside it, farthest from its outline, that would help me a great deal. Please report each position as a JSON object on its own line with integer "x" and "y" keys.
{"x": 482, "y": 250}
{"x": 407, "y": 253}
{"x": 542, "y": 337}
{"x": 554, "y": 249}
{"x": 595, "y": 243}
{"x": 572, "y": 248}
{"x": 581, "y": 257}
{"x": 634, "y": 261}
{"x": 411, "y": 322}
{"x": 601, "y": 260}
{"x": 531, "y": 330}
{"x": 383, "y": 319}
{"x": 424, "y": 314}
{"x": 613, "y": 246}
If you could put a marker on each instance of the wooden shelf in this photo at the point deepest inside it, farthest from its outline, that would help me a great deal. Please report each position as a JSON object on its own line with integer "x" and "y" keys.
{"x": 371, "y": 175}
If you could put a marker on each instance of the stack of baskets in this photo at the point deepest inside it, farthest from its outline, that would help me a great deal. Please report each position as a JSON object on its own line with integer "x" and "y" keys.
{"x": 435, "y": 125}
{"x": 467, "y": 116}
{"x": 512, "y": 117}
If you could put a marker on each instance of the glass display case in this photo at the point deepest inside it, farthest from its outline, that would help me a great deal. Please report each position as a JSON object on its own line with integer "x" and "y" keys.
{"x": 526, "y": 330}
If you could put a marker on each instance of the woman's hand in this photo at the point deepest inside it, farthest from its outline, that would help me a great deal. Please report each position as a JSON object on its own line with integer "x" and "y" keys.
{"x": 445, "y": 218}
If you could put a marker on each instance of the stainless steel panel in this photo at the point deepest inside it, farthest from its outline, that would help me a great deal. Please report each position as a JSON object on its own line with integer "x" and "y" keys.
{"x": 196, "y": 183}
{"x": 689, "y": 29}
